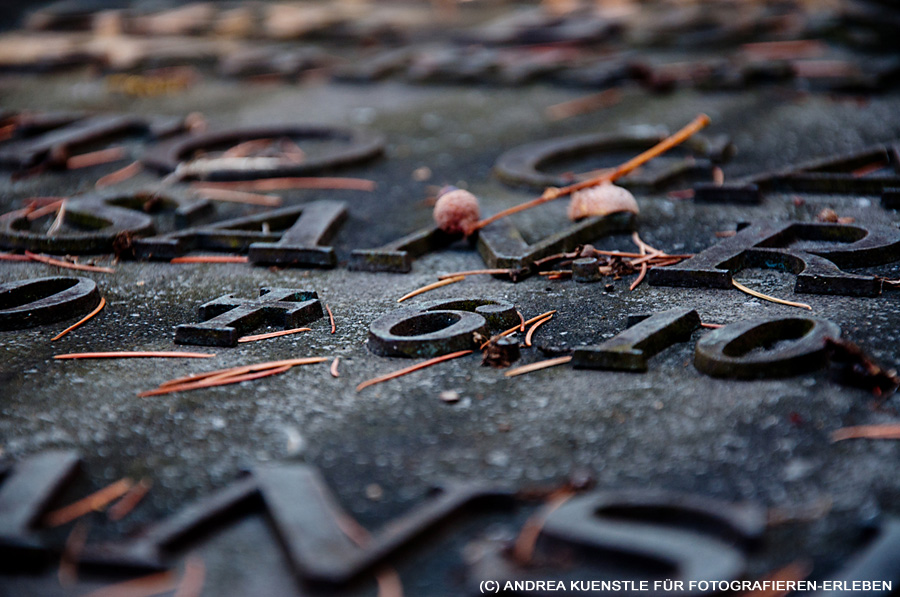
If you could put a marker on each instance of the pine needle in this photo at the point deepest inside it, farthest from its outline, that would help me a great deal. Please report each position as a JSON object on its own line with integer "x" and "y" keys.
{"x": 537, "y": 366}
{"x": 130, "y": 500}
{"x": 516, "y": 328}
{"x": 475, "y": 272}
{"x": 78, "y": 323}
{"x": 331, "y": 319}
{"x": 145, "y": 586}
{"x": 268, "y": 335}
{"x": 213, "y": 382}
{"x": 887, "y": 431}
{"x": 766, "y": 297}
{"x": 553, "y": 193}
{"x": 211, "y": 259}
{"x": 407, "y": 370}
{"x": 431, "y": 286}
{"x": 94, "y": 502}
{"x": 67, "y": 265}
{"x": 134, "y": 355}
{"x": 334, "y": 367}
{"x": 242, "y": 369}
{"x": 534, "y": 327}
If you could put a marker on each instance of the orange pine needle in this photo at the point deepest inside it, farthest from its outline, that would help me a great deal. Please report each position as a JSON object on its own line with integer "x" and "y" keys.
{"x": 331, "y": 319}
{"x": 712, "y": 326}
{"x": 45, "y": 210}
{"x": 95, "y": 502}
{"x": 82, "y": 321}
{"x": 887, "y": 431}
{"x": 96, "y": 158}
{"x": 523, "y": 549}
{"x": 210, "y": 383}
{"x": 334, "y": 367}
{"x": 13, "y": 257}
{"x": 275, "y": 184}
{"x": 766, "y": 297}
{"x": 211, "y": 259}
{"x": 145, "y": 586}
{"x": 268, "y": 335}
{"x": 521, "y": 320}
{"x": 474, "y": 272}
{"x": 232, "y": 196}
{"x": 553, "y": 193}
{"x": 583, "y": 105}
{"x": 407, "y": 370}
{"x": 130, "y": 500}
{"x": 121, "y": 175}
{"x": 68, "y": 561}
{"x": 537, "y": 366}
{"x": 134, "y": 355}
{"x": 67, "y": 265}
{"x": 431, "y": 286}
{"x": 191, "y": 584}
{"x": 640, "y": 277}
{"x": 517, "y": 328}
{"x": 242, "y": 369}
{"x": 534, "y": 327}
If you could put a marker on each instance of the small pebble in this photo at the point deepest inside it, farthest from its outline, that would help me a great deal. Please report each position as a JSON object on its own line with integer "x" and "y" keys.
{"x": 449, "y": 396}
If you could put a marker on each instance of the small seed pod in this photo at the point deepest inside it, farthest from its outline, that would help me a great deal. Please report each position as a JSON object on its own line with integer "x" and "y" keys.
{"x": 456, "y": 211}
{"x": 601, "y": 200}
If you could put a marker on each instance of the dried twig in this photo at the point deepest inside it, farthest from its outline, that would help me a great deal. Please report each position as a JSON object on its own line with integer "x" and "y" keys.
{"x": 431, "y": 286}
{"x": 537, "y": 366}
{"x": 407, "y": 370}
{"x": 766, "y": 297}
{"x": 134, "y": 354}
{"x": 81, "y": 321}
{"x": 67, "y": 265}
{"x": 95, "y": 502}
{"x": 268, "y": 335}
{"x": 211, "y": 259}
{"x": 552, "y": 193}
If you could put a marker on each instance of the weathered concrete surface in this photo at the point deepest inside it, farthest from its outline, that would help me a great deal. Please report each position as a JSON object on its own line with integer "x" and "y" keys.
{"x": 672, "y": 427}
